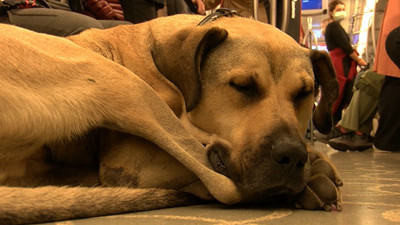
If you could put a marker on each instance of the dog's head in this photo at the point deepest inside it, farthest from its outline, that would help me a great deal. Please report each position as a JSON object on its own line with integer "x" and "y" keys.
{"x": 254, "y": 87}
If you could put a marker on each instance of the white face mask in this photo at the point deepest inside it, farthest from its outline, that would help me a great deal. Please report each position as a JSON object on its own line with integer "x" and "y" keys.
{"x": 339, "y": 16}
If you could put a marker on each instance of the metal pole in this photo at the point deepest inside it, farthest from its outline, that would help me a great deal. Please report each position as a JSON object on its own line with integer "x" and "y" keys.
{"x": 272, "y": 12}
{"x": 255, "y": 9}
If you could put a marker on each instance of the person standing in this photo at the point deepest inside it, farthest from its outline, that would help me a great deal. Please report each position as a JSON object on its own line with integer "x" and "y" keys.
{"x": 387, "y": 62}
{"x": 344, "y": 58}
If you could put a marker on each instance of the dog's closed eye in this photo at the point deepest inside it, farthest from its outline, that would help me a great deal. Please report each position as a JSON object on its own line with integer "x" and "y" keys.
{"x": 302, "y": 94}
{"x": 245, "y": 85}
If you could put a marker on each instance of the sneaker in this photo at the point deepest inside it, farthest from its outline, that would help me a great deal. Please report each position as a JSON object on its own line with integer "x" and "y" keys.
{"x": 351, "y": 142}
{"x": 384, "y": 149}
{"x": 324, "y": 138}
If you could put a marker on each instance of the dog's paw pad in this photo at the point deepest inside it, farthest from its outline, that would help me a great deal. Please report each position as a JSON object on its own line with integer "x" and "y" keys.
{"x": 307, "y": 199}
{"x": 321, "y": 193}
{"x": 321, "y": 166}
{"x": 325, "y": 189}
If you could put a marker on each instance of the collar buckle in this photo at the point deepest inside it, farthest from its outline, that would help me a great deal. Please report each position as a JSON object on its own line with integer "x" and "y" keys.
{"x": 222, "y": 12}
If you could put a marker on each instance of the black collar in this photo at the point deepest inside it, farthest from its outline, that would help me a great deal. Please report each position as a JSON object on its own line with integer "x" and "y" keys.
{"x": 218, "y": 14}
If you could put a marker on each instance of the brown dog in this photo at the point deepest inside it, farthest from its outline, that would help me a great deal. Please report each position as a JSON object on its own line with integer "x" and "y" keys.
{"x": 69, "y": 116}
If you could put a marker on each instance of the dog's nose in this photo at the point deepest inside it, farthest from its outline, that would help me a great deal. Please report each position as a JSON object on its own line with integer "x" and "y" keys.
{"x": 290, "y": 154}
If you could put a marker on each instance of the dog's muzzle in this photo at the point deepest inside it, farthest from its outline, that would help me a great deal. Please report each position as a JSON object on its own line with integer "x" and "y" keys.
{"x": 280, "y": 164}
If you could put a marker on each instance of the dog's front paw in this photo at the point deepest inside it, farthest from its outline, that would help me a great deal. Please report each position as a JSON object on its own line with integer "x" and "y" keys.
{"x": 323, "y": 188}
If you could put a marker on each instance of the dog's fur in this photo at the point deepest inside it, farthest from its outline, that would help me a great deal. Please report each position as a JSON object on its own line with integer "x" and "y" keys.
{"x": 71, "y": 115}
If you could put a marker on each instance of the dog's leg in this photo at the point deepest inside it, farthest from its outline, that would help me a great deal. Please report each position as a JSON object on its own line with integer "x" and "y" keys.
{"x": 38, "y": 203}
{"x": 121, "y": 101}
{"x": 202, "y": 136}
{"x": 131, "y": 161}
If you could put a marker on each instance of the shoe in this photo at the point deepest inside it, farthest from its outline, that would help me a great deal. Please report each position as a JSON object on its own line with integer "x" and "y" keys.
{"x": 384, "y": 149}
{"x": 351, "y": 142}
{"x": 324, "y": 138}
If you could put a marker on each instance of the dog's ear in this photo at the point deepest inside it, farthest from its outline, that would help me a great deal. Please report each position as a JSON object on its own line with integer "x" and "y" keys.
{"x": 179, "y": 59}
{"x": 326, "y": 78}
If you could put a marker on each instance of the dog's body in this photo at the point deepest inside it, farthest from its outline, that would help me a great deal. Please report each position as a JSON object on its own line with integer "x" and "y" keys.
{"x": 69, "y": 116}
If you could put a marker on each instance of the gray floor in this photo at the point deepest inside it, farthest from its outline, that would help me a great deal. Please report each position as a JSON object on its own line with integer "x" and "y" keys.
{"x": 371, "y": 195}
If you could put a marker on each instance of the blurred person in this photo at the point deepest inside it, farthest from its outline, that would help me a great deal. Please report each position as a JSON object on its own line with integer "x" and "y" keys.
{"x": 344, "y": 58}
{"x": 138, "y": 11}
{"x": 356, "y": 122}
{"x": 185, "y": 7}
{"x": 99, "y": 9}
{"x": 387, "y": 62}
{"x": 244, "y": 8}
{"x": 55, "y": 18}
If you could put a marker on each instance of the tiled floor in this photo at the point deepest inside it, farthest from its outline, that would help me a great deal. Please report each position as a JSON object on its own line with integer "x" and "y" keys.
{"x": 371, "y": 196}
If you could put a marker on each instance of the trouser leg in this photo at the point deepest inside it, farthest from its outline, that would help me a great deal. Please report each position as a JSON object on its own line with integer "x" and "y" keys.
{"x": 388, "y": 134}
{"x": 138, "y": 11}
{"x": 52, "y": 21}
{"x": 360, "y": 112}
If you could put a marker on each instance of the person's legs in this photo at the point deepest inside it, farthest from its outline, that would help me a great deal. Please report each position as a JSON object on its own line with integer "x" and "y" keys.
{"x": 357, "y": 118}
{"x": 112, "y": 23}
{"x": 360, "y": 112}
{"x": 179, "y": 7}
{"x": 243, "y": 8}
{"x": 388, "y": 134}
{"x": 356, "y": 123}
{"x": 138, "y": 11}
{"x": 52, "y": 21}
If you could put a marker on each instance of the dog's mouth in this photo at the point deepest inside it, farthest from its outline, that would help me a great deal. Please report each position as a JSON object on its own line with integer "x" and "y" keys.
{"x": 216, "y": 162}
{"x": 253, "y": 195}
{"x": 263, "y": 175}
